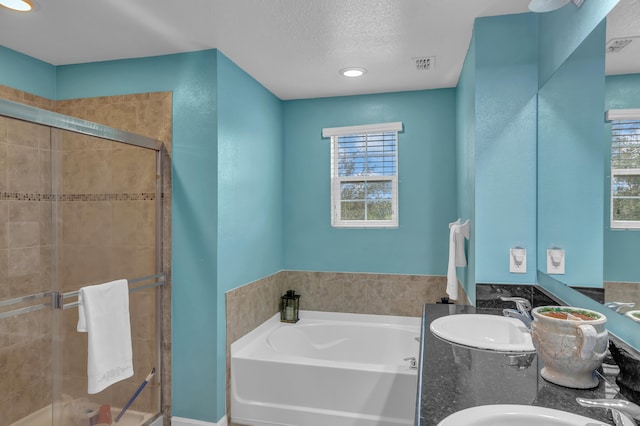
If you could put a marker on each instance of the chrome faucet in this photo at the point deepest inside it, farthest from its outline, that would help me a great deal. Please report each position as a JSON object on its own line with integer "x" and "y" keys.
{"x": 522, "y": 311}
{"x": 623, "y": 412}
{"x": 413, "y": 364}
{"x": 617, "y": 305}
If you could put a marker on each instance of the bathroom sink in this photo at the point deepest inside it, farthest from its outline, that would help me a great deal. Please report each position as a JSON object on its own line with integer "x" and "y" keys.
{"x": 485, "y": 332}
{"x": 521, "y": 415}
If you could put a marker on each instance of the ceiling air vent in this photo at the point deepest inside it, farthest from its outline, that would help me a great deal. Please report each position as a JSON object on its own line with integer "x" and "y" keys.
{"x": 617, "y": 44}
{"x": 425, "y": 63}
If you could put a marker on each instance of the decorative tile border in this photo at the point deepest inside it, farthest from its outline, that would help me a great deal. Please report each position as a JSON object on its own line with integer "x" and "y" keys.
{"x": 18, "y": 196}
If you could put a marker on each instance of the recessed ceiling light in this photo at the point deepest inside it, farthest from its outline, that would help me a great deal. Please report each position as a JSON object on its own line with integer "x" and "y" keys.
{"x": 352, "y": 72}
{"x": 18, "y": 5}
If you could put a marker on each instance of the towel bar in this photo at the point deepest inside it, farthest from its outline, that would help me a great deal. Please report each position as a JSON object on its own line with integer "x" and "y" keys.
{"x": 57, "y": 298}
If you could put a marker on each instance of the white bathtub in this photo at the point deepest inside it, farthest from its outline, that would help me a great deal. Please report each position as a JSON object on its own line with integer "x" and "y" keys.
{"x": 329, "y": 369}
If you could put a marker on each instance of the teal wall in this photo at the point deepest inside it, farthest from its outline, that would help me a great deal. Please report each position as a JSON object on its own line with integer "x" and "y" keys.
{"x": 620, "y": 246}
{"x": 193, "y": 80}
{"x": 506, "y": 83}
{"x": 465, "y": 162}
{"x": 570, "y": 163}
{"x": 562, "y": 31}
{"x": 250, "y": 200}
{"x": 25, "y": 73}
{"x": 426, "y": 185}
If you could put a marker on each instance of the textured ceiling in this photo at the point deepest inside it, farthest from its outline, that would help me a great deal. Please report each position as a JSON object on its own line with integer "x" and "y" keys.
{"x": 293, "y": 47}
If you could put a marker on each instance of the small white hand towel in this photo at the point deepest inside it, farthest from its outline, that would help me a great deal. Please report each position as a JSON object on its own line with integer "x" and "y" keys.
{"x": 457, "y": 234}
{"x": 462, "y": 233}
{"x": 103, "y": 312}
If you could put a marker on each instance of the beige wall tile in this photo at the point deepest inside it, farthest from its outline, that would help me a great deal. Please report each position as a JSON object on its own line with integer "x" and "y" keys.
{"x": 23, "y": 285}
{"x": 5, "y": 291}
{"x": 23, "y": 169}
{"x": 44, "y": 182}
{"x": 74, "y": 222}
{"x": 24, "y": 234}
{"x": 3, "y": 167}
{"x": 98, "y": 169}
{"x": 74, "y": 172}
{"x": 4, "y": 122}
{"x": 97, "y": 265}
{"x": 44, "y": 222}
{"x": 27, "y": 134}
{"x": 24, "y": 261}
{"x": 23, "y": 211}
{"x": 133, "y": 171}
{"x": 72, "y": 141}
{"x": 4, "y": 224}
{"x": 98, "y": 223}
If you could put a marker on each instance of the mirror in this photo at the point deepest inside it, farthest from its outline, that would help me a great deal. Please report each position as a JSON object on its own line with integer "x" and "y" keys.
{"x": 573, "y": 164}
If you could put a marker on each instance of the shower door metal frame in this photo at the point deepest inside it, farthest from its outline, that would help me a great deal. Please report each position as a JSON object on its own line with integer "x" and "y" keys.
{"x": 55, "y": 120}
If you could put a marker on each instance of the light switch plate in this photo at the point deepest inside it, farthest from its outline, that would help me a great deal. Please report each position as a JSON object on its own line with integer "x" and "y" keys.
{"x": 518, "y": 261}
{"x": 555, "y": 261}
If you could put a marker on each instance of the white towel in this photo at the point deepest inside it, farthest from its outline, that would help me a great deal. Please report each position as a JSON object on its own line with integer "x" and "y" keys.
{"x": 103, "y": 312}
{"x": 457, "y": 233}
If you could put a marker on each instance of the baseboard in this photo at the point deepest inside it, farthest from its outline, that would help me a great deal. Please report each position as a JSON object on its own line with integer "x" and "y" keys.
{"x": 181, "y": 421}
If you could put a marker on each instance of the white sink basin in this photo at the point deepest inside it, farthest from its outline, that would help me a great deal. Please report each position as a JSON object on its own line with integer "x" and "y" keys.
{"x": 486, "y": 332}
{"x": 520, "y": 415}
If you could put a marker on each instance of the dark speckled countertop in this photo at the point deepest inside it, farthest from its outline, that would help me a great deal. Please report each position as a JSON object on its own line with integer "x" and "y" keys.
{"x": 453, "y": 378}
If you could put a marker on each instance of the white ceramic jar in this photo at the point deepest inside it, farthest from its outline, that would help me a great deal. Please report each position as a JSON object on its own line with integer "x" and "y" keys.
{"x": 572, "y": 342}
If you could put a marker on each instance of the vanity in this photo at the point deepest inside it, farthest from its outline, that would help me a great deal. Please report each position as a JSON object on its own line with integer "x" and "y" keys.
{"x": 453, "y": 378}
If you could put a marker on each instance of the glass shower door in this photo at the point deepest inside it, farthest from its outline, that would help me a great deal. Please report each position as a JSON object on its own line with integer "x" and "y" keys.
{"x": 105, "y": 221}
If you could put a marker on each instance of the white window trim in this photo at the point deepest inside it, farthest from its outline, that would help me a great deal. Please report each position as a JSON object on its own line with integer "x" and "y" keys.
{"x": 622, "y": 114}
{"x": 365, "y": 128}
{"x": 622, "y": 224}
{"x": 335, "y": 181}
{"x": 632, "y": 114}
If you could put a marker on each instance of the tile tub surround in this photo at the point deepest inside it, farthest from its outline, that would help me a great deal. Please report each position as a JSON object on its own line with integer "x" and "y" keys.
{"x": 385, "y": 294}
{"x": 457, "y": 378}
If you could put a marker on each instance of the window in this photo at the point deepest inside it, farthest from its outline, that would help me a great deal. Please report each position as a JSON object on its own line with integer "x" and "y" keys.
{"x": 364, "y": 175}
{"x": 625, "y": 172}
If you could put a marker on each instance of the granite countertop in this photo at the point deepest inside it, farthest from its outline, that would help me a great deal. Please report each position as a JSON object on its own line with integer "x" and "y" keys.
{"x": 452, "y": 378}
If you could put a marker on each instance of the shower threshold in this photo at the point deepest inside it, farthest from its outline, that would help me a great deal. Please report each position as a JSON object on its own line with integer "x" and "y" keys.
{"x": 70, "y": 416}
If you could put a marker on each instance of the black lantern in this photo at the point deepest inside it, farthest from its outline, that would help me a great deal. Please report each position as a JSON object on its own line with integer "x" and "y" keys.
{"x": 289, "y": 307}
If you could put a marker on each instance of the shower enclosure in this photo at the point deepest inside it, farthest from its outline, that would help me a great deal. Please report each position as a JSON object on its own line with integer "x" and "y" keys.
{"x": 80, "y": 204}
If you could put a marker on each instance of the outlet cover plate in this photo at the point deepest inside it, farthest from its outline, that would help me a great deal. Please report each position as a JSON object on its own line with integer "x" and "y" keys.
{"x": 555, "y": 261}
{"x": 518, "y": 261}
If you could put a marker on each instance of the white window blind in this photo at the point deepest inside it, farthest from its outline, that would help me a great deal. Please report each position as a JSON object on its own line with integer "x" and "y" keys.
{"x": 364, "y": 175}
{"x": 625, "y": 173}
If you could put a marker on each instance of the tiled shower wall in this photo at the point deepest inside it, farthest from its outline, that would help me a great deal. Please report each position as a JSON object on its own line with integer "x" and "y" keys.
{"x": 25, "y": 267}
{"x": 385, "y": 294}
{"x": 105, "y": 223}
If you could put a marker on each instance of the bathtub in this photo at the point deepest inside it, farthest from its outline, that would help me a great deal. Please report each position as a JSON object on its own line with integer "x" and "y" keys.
{"x": 67, "y": 409}
{"x": 328, "y": 369}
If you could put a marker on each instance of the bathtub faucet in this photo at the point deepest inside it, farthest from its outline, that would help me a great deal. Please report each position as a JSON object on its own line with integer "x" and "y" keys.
{"x": 522, "y": 311}
{"x": 413, "y": 364}
{"x": 616, "y": 306}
